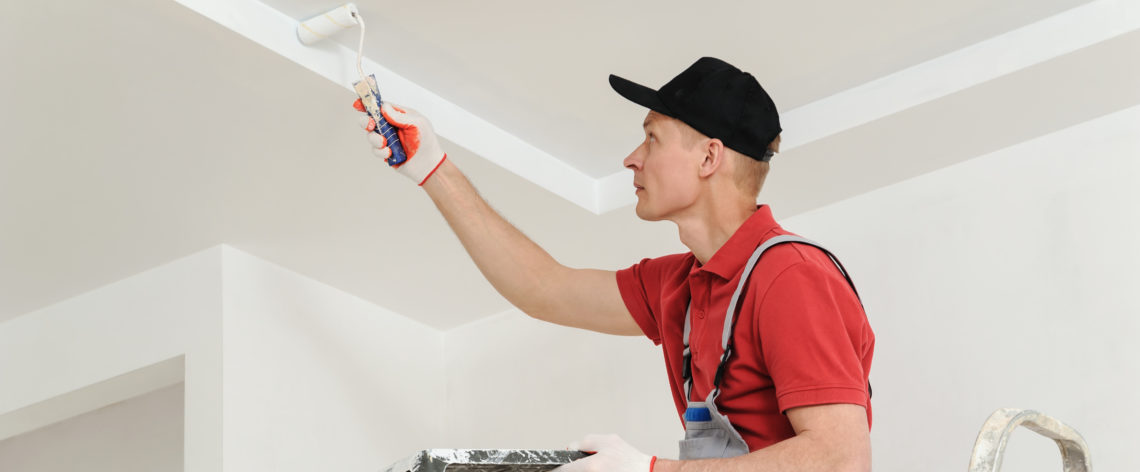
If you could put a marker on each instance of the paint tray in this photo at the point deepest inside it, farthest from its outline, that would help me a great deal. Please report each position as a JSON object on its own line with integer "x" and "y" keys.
{"x": 485, "y": 460}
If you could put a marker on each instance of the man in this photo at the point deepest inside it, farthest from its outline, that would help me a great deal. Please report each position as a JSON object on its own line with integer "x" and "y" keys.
{"x": 768, "y": 374}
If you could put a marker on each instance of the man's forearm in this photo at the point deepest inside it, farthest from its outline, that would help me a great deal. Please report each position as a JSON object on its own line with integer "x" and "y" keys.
{"x": 802, "y": 453}
{"x": 518, "y": 268}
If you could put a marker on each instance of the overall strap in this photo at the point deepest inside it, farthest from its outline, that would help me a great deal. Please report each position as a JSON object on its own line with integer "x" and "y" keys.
{"x": 730, "y": 315}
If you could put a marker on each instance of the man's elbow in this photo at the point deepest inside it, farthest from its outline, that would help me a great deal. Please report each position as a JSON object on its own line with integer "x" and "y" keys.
{"x": 859, "y": 462}
{"x": 855, "y": 456}
{"x": 840, "y": 453}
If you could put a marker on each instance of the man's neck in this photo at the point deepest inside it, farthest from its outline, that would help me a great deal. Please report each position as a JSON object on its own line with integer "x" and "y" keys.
{"x": 706, "y": 231}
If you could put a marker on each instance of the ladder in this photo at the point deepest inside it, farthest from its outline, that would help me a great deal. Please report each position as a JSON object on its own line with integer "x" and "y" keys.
{"x": 990, "y": 445}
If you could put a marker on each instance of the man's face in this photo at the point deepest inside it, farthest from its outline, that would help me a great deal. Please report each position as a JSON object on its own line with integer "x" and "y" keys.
{"x": 665, "y": 169}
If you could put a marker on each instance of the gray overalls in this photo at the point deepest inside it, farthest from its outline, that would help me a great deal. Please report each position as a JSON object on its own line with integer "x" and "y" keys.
{"x": 709, "y": 434}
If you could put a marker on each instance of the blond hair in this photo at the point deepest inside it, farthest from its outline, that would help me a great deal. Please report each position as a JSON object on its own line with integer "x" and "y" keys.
{"x": 750, "y": 173}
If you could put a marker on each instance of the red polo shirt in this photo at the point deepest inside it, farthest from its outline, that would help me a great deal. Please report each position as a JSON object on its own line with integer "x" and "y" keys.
{"x": 802, "y": 337}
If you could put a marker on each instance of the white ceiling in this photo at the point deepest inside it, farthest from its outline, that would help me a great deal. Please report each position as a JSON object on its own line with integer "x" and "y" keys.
{"x": 539, "y": 69}
{"x": 135, "y": 132}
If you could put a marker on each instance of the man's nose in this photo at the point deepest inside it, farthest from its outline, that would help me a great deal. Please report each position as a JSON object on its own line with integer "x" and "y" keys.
{"x": 633, "y": 160}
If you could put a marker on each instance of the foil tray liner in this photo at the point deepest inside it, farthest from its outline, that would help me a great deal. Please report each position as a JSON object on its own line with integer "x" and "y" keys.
{"x": 484, "y": 460}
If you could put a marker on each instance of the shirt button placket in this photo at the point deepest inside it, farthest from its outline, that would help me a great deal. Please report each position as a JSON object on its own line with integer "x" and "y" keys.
{"x": 706, "y": 299}
{"x": 701, "y": 298}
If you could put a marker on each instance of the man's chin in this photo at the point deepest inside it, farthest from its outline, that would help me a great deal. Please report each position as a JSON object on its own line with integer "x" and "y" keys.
{"x": 645, "y": 214}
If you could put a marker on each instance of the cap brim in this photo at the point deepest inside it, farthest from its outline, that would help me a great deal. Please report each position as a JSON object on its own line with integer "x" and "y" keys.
{"x": 639, "y": 94}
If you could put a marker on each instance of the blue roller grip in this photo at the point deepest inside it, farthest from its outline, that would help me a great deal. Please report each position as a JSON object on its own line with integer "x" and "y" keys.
{"x": 370, "y": 97}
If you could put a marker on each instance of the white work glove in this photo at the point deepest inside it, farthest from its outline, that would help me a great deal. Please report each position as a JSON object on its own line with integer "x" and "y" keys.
{"x": 416, "y": 135}
{"x": 611, "y": 454}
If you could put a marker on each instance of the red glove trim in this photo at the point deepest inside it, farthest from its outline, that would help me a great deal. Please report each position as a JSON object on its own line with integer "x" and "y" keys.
{"x": 652, "y": 462}
{"x": 428, "y": 176}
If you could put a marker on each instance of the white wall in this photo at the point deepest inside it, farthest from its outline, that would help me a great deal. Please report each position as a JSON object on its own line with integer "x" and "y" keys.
{"x": 1006, "y": 281}
{"x": 313, "y": 378}
{"x": 513, "y": 382}
{"x": 316, "y": 379}
{"x": 141, "y": 434}
{"x": 117, "y": 342}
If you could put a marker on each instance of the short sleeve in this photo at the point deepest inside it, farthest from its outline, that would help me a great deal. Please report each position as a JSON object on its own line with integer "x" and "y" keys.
{"x": 641, "y": 287}
{"x": 811, "y": 328}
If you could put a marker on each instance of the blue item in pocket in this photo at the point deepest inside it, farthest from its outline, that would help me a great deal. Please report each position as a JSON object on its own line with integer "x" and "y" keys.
{"x": 698, "y": 414}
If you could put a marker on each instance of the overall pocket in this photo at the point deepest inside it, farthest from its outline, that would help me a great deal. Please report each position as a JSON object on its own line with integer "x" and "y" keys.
{"x": 703, "y": 440}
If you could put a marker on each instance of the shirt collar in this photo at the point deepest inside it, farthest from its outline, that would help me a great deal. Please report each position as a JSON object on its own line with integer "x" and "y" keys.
{"x": 730, "y": 258}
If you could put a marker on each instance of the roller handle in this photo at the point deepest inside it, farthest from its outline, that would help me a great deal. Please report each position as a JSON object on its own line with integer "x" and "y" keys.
{"x": 389, "y": 132}
{"x": 370, "y": 97}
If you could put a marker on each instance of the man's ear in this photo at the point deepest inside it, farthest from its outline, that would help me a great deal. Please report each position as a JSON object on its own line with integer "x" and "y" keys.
{"x": 714, "y": 156}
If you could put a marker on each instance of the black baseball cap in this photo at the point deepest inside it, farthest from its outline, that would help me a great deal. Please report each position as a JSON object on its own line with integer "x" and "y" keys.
{"x": 717, "y": 99}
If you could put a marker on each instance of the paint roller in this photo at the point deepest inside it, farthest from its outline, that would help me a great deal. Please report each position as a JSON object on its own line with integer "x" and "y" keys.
{"x": 346, "y": 16}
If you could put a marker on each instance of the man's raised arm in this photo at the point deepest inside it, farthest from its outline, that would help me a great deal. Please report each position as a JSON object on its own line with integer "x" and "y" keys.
{"x": 520, "y": 270}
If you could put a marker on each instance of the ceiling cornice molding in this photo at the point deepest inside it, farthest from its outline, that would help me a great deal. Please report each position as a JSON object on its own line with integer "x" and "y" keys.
{"x": 1032, "y": 44}
{"x": 981, "y": 62}
{"x": 1057, "y": 35}
{"x": 277, "y": 32}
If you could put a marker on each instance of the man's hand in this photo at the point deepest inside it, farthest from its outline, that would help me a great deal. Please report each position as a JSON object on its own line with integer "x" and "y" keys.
{"x": 416, "y": 135}
{"x": 611, "y": 454}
